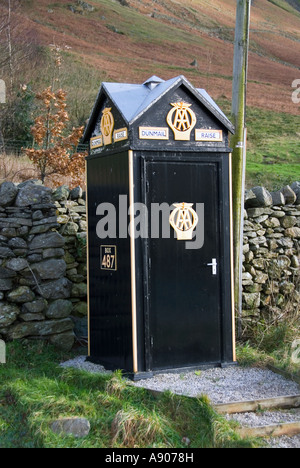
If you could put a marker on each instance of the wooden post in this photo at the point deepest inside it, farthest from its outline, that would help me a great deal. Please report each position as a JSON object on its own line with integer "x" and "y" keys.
{"x": 238, "y": 142}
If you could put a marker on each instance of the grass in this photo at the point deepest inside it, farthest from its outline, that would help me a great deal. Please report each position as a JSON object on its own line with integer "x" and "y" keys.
{"x": 34, "y": 391}
{"x": 273, "y": 147}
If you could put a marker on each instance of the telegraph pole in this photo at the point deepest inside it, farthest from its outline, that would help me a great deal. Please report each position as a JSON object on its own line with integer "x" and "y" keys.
{"x": 238, "y": 142}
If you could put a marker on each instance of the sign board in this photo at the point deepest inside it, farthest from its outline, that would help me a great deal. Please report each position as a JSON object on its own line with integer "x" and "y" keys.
{"x": 108, "y": 257}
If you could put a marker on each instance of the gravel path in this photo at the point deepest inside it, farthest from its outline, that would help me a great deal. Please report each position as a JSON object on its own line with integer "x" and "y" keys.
{"x": 223, "y": 386}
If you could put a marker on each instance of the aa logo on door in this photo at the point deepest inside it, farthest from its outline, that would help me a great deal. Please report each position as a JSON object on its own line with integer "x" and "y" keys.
{"x": 184, "y": 220}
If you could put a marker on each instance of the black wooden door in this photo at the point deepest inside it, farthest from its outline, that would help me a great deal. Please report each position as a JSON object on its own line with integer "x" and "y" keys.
{"x": 184, "y": 297}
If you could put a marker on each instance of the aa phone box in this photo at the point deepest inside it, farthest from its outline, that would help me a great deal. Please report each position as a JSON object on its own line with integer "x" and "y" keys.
{"x": 160, "y": 264}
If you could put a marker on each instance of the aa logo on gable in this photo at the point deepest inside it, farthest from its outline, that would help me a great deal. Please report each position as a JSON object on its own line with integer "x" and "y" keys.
{"x": 107, "y": 126}
{"x": 181, "y": 119}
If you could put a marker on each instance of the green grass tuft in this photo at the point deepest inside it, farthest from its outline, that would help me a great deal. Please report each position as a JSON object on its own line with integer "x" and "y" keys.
{"x": 35, "y": 391}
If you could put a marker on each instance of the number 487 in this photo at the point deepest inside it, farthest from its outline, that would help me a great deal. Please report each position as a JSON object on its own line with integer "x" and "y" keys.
{"x": 108, "y": 262}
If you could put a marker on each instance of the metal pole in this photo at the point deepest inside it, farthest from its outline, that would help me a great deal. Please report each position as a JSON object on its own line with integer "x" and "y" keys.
{"x": 238, "y": 142}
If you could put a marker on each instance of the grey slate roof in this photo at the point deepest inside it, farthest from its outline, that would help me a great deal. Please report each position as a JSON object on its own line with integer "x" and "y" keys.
{"x": 133, "y": 100}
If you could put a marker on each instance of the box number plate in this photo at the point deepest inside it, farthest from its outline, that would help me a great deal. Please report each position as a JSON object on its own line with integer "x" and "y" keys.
{"x": 108, "y": 257}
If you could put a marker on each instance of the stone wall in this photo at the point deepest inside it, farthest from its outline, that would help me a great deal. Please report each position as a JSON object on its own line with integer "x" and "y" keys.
{"x": 43, "y": 271}
{"x": 42, "y": 263}
{"x": 271, "y": 255}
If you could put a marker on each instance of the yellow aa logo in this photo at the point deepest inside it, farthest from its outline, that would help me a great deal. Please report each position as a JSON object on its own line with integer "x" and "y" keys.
{"x": 107, "y": 126}
{"x": 183, "y": 220}
{"x": 182, "y": 120}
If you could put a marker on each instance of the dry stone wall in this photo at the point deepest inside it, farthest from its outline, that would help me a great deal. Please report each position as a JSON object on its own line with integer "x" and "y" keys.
{"x": 42, "y": 263}
{"x": 43, "y": 268}
{"x": 271, "y": 254}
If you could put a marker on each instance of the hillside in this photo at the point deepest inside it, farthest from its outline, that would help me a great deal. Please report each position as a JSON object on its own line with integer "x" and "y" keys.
{"x": 130, "y": 40}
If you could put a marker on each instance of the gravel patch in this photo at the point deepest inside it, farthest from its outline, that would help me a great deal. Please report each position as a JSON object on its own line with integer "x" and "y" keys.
{"x": 224, "y": 385}
{"x": 265, "y": 418}
{"x": 220, "y": 385}
{"x": 284, "y": 442}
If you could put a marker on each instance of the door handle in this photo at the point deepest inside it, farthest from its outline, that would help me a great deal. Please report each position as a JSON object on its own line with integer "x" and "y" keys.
{"x": 214, "y": 265}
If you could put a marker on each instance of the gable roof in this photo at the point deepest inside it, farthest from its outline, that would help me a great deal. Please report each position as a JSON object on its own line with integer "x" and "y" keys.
{"x": 133, "y": 100}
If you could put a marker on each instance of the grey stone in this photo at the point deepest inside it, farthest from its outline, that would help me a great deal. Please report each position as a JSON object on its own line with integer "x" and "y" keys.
{"x": 33, "y": 194}
{"x": 11, "y": 232}
{"x": 293, "y": 232}
{"x": 51, "y": 220}
{"x": 80, "y": 309}
{"x": 258, "y": 240}
{"x": 283, "y": 261}
{"x": 76, "y": 193}
{"x": 59, "y": 309}
{"x": 8, "y": 193}
{"x": 63, "y": 341}
{"x": 251, "y": 300}
{"x": 249, "y": 195}
{"x": 286, "y": 242}
{"x": 17, "y": 243}
{"x": 289, "y": 195}
{"x": 8, "y": 314}
{"x": 61, "y": 193}
{"x": 31, "y": 317}
{"x": 286, "y": 287}
{"x": 50, "y": 269}
{"x": 37, "y": 215}
{"x": 46, "y": 241}
{"x": 53, "y": 253}
{"x": 78, "y": 427}
{"x": 6, "y": 284}
{"x": 69, "y": 229}
{"x": 34, "y": 258}
{"x": 278, "y": 214}
{"x": 21, "y": 295}
{"x": 260, "y": 277}
{"x": 288, "y": 221}
{"x": 295, "y": 186}
{"x": 43, "y": 228}
{"x": 257, "y": 212}
{"x": 271, "y": 222}
{"x": 278, "y": 198}
{"x": 5, "y": 273}
{"x": 79, "y": 290}
{"x": 17, "y": 264}
{"x": 261, "y": 219}
{"x": 259, "y": 263}
{"x": 34, "y": 307}
{"x": 262, "y": 198}
{"x": 59, "y": 289}
{"x": 78, "y": 209}
{"x": 247, "y": 279}
{"x": 295, "y": 262}
{"x": 6, "y": 252}
{"x": 45, "y": 328}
